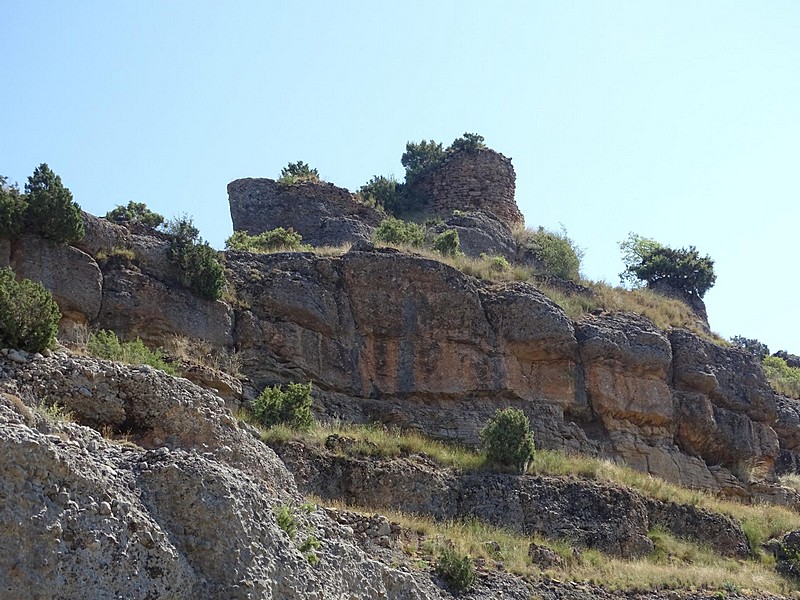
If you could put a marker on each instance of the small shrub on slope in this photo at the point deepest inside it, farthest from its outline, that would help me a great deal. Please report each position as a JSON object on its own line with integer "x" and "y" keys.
{"x": 268, "y": 241}
{"x": 297, "y": 172}
{"x": 508, "y": 439}
{"x": 395, "y": 231}
{"x": 136, "y": 212}
{"x": 28, "y": 314}
{"x": 198, "y": 262}
{"x": 106, "y": 345}
{"x": 290, "y": 407}
{"x": 447, "y": 243}
{"x": 458, "y": 571}
{"x": 784, "y": 379}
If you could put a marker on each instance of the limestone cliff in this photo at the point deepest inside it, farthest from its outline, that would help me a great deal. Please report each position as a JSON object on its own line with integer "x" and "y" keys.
{"x": 412, "y": 342}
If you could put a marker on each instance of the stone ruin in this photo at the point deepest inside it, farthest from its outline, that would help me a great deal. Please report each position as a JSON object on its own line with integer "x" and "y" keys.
{"x": 479, "y": 183}
{"x": 473, "y": 181}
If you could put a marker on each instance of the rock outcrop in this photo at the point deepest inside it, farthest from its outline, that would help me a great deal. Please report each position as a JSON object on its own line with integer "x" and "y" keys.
{"x": 325, "y": 215}
{"x": 481, "y": 233}
{"x": 185, "y": 512}
{"x": 610, "y": 518}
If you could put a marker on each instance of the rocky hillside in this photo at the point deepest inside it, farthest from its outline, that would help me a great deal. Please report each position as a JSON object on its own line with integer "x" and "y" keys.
{"x": 412, "y": 342}
{"x": 154, "y": 488}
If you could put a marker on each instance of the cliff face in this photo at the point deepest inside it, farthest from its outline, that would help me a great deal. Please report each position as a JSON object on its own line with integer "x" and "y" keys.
{"x": 412, "y": 342}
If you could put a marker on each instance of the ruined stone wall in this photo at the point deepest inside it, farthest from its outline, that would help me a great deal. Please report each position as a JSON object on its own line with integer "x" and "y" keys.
{"x": 482, "y": 180}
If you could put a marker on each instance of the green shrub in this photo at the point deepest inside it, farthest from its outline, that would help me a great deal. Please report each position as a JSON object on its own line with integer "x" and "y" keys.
{"x": 296, "y": 173}
{"x": 285, "y": 519}
{"x": 268, "y": 241}
{"x": 198, "y": 263}
{"x": 291, "y": 407}
{"x": 682, "y": 270}
{"x": 420, "y": 158}
{"x": 498, "y": 264}
{"x": 751, "y": 346}
{"x": 381, "y": 191}
{"x": 28, "y": 314}
{"x": 12, "y": 209}
{"x": 447, "y": 243}
{"x": 457, "y": 571}
{"x": 508, "y": 440}
{"x": 554, "y": 253}
{"x": 136, "y": 212}
{"x": 106, "y": 345}
{"x": 784, "y": 379}
{"x": 51, "y": 212}
{"x": 395, "y": 231}
{"x": 469, "y": 142}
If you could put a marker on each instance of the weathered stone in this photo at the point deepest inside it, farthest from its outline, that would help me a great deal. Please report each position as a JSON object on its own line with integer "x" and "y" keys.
{"x": 135, "y": 305}
{"x": 71, "y": 275}
{"x": 481, "y": 180}
{"x": 101, "y": 235}
{"x": 479, "y": 233}
{"x": 325, "y": 215}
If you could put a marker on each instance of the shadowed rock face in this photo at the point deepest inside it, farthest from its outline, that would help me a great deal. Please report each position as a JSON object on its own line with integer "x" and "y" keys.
{"x": 186, "y": 512}
{"x": 325, "y": 215}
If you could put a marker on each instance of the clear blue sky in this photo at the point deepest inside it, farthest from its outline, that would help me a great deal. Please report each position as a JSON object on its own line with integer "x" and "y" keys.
{"x": 676, "y": 120}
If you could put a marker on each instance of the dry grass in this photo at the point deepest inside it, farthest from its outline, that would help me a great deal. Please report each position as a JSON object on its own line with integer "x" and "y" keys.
{"x": 675, "y": 564}
{"x": 202, "y": 353}
{"x": 759, "y": 522}
{"x": 383, "y": 442}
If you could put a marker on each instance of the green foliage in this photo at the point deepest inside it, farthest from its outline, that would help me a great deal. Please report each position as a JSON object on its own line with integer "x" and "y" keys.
{"x": 508, "y": 439}
{"x": 12, "y": 209}
{"x": 309, "y": 547}
{"x": 297, "y": 172}
{"x": 51, "y": 212}
{"x": 395, "y": 231}
{"x": 784, "y": 379}
{"x": 635, "y": 251}
{"x": 28, "y": 314}
{"x": 447, "y": 243}
{"x": 285, "y": 519}
{"x": 106, "y": 345}
{"x": 497, "y": 264}
{"x": 469, "y": 142}
{"x": 421, "y": 157}
{"x": 554, "y": 253}
{"x": 268, "y": 241}
{"x": 381, "y": 191}
{"x": 198, "y": 263}
{"x": 291, "y": 407}
{"x": 683, "y": 270}
{"x": 458, "y": 571}
{"x": 752, "y": 346}
{"x": 136, "y": 212}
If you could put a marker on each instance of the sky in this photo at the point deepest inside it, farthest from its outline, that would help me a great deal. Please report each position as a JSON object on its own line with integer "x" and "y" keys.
{"x": 679, "y": 121}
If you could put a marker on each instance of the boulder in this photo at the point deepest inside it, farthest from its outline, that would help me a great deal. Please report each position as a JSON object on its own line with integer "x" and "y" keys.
{"x": 325, "y": 215}
{"x": 135, "y": 305}
{"x": 71, "y": 275}
{"x": 481, "y": 233}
